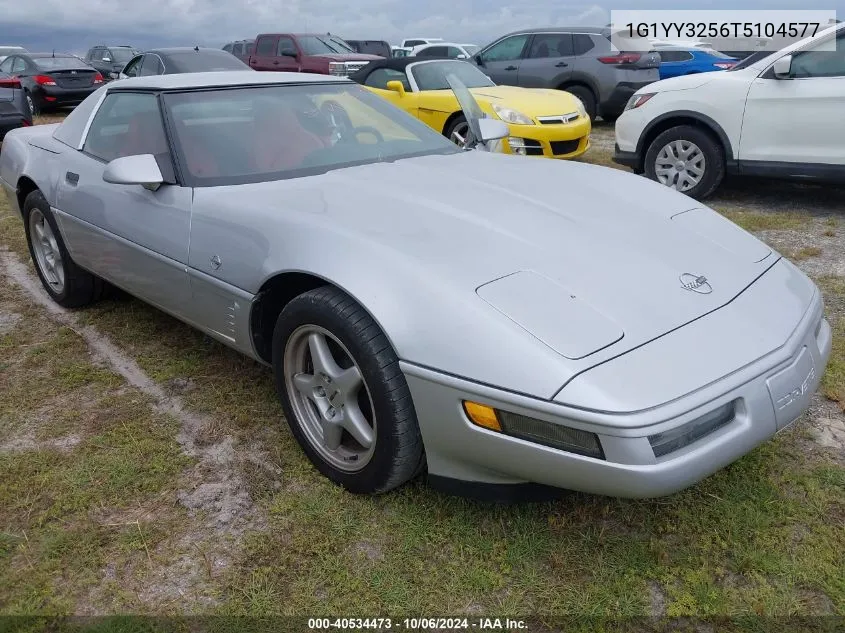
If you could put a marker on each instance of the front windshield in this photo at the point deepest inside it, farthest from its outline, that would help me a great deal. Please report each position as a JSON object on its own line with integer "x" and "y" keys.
{"x": 323, "y": 45}
{"x": 753, "y": 58}
{"x": 122, "y": 54}
{"x": 246, "y": 135}
{"x": 432, "y": 75}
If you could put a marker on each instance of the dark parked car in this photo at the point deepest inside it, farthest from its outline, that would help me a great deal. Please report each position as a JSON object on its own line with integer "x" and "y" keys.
{"x": 307, "y": 53}
{"x": 52, "y": 80}
{"x": 371, "y": 47}
{"x": 14, "y": 109}
{"x": 580, "y": 60}
{"x": 110, "y": 60}
{"x": 171, "y": 61}
{"x": 241, "y": 49}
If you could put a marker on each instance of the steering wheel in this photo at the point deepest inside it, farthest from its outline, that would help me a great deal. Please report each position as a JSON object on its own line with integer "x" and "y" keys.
{"x": 368, "y": 129}
{"x": 339, "y": 120}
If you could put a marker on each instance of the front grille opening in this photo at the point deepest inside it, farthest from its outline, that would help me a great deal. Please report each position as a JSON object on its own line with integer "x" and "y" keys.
{"x": 552, "y": 435}
{"x": 564, "y": 147}
{"x": 682, "y": 436}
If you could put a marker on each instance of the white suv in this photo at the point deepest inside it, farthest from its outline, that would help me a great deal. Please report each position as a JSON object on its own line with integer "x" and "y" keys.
{"x": 782, "y": 115}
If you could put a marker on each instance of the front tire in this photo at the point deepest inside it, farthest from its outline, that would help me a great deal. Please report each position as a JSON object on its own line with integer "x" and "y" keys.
{"x": 457, "y": 131}
{"x": 67, "y": 284}
{"x": 343, "y": 393}
{"x": 687, "y": 159}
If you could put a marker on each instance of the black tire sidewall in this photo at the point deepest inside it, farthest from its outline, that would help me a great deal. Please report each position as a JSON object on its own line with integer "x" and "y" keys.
{"x": 454, "y": 123}
{"x": 714, "y": 157}
{"x": 587, "y": 98}
{"x": 36, "y": 200}
{"x": 386, "y": 383}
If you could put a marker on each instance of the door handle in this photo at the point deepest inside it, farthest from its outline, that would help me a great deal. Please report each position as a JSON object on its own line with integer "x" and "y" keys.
{"x": 276, "y": 63}
{"x": 510, "y": 68}
{"x": 561, "y": 65}
{"x": 72, "y": 178}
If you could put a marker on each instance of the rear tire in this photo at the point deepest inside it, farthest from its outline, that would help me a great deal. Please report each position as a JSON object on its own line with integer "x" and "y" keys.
{"x": 587, "y": 98}
{"x": 687, "y": 159}
{"x": 67, "y": 284}
{"x": 343, "y": 393}
{"x": 33, "y": 107}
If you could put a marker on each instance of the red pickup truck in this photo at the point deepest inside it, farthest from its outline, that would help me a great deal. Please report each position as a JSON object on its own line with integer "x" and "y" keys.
{"x": 306, "y": 53}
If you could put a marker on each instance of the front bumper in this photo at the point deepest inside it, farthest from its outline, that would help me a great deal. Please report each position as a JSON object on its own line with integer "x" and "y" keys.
{"x": 628, "y": 159}
{"x": 777, "y": 393}
{"x": 551, "y": 141}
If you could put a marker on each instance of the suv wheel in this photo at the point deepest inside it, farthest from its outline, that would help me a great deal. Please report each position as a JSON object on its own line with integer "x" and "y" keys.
{"x": 687, "y": 159}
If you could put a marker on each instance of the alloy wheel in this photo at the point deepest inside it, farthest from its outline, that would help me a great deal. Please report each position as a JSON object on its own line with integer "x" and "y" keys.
{"x": 460, "y": 133}
{"x": 330, "y": 398}
{"x": 48, "y": 257}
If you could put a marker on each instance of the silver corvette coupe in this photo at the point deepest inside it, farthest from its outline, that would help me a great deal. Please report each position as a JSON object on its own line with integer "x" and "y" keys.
{"x": 498, "y": 322}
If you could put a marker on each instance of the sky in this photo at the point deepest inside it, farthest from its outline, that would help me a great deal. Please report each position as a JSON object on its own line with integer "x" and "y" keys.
{"x": 75, "y": 25}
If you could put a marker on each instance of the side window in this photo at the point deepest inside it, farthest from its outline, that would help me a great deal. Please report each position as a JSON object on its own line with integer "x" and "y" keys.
{"x": 508, "y": 49}
{"x": 228, "y": 48}
{"x": 250, "y": 48}
{"x": 433, "y": 51}
{"x": 411, "y": 43}
{"x": 133, "y": 68}
{"x": 128, "y": 124}
{"x": 820, "y": 63}
{"x": 19, "y": 65}
{"x": 582, "y": 44}
{"x": 379, "y": 78}
{"x": 94, "y": 54}
{"x": 237, "y": 49}
{"x": 151, "y": 66}
{"x": 264, "y": 46}
{"x": 285, "y": 44}
{"x": 668, "y": 56}
{"x": 546, "y": 45}
{"x": 6, "y": 65}
{"x": 452, "y": 52}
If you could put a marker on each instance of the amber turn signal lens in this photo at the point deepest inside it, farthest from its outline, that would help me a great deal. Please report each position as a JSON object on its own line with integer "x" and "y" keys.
{"x": 482, "y": 415}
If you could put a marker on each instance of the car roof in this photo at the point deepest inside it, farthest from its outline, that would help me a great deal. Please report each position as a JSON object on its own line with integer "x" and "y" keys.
{"x": 171, "y": 50}
{"x": 43, "y": 55}
{"x": 598, "y": 30}
{"x": 219, "y": 79}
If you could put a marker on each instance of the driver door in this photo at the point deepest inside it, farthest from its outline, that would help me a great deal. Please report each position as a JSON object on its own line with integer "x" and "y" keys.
{"x": 127, "y": 234}
{"x": 502, "y": 60}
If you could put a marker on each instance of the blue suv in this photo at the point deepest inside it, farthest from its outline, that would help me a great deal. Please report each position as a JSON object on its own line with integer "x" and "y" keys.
{"x": 679, "y": 60}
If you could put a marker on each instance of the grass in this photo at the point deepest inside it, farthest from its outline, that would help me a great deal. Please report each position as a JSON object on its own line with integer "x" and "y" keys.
{"x": 761, "y": 537}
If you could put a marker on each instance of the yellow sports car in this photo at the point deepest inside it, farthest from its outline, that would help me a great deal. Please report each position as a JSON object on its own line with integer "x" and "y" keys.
{"x": 550, "y": 123}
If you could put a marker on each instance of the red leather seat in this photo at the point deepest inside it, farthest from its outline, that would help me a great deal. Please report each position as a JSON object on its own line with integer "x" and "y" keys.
{"x": 281, "y": 142}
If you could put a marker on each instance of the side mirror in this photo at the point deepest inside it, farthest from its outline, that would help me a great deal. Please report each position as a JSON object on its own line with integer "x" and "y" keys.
{"x": 478, "y": 59}
{"x": 460, "y": 56}
{"x": 493, "y": 130}
{"x": 107, "y": 60}
{"x": 141, "y": 169}
{"x": 288, "y": 52}
{"x": 782, "y": 67}
{"x": 396, "y": 86}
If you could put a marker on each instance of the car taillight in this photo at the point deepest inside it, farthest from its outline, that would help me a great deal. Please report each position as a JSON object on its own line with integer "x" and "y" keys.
{"x": 724, "y": 65}
{"x": 98, "y": 78}
{"x": 44, "y": 80}
{"x": 10, "y": 82}
{"x": 25, "y": 123}
{"x": 621, "y": 58}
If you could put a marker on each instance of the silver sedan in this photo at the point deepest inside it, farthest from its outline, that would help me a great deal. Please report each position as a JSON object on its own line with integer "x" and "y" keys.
{"x": 494, "y": 321}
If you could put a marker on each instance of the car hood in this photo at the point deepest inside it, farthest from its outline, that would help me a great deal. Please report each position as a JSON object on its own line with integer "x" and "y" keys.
{"x": 533, "y": 102}
{"x": 622, "y": 247}
{"x": 685, "y": 82}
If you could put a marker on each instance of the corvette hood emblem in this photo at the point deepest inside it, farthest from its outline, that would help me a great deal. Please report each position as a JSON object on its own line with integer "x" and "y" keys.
{"x": 696, "y": 283}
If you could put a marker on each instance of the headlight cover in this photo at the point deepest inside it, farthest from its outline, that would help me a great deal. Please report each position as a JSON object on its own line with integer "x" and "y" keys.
{"x": 509, "y": 115}
{"x": 638, "y": 99}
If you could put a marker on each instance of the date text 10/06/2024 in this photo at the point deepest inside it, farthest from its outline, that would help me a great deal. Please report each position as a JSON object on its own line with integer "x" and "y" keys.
{"x": 417, "y": 624}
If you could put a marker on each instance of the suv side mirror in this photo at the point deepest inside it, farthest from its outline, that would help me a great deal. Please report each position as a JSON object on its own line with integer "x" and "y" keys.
{"x": 107, "y": 60}
{"x": 287, "y": 52}
{"x": 782, "y": 67}
{"x": 396, "y": 86}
